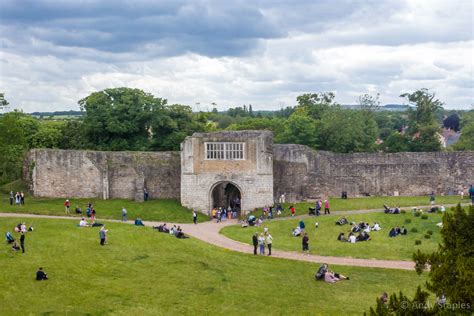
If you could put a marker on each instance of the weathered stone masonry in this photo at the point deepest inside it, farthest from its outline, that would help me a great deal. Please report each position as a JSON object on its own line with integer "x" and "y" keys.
{"x": 267, "y": 171}
{"x": 76, "y": 173}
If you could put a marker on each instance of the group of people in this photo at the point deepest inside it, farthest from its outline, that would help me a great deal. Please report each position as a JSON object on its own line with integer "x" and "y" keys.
{"x": 395, "y": 231}
{"x": 174, "y": 231}
{"x": 90, "y": 211}
{"x": 222, "y": 213}
{"x": 318, "y": 207}
{"x": 18, "y": 198}
{"x": 363, "y": 228}
{"x": 262, "y": 240}
{"x": 21, "y": 230}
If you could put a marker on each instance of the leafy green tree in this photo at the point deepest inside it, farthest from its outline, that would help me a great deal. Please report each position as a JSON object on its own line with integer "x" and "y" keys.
{"x": 298, "y": 129}
{"x": 49, "y": 135}
{"x": 73, "y": 136}
{"x": 347, "y": 131}
{"x": 270, "y": 124}
{"x": 423, "y": 123}
{"x": 120, "y": 118}
{"x": 316, "y": 104}
{"x": 396, "y": 142}
{"x": 466, "y": 141}
{"x": 171, "y": 124}
{"x": 3, "y": 102}
{"x": 13, "y": 145}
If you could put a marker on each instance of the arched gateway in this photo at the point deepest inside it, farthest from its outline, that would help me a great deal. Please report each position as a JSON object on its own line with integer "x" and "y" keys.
{"x": 226, "y": 169}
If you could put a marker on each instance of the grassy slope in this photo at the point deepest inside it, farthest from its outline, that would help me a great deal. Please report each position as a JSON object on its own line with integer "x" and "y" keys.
{"x": 373, "y": 202}
{"x": 323, "y": 241}
{"x": 159, "y": 210}
{"x": 142, "y": 271}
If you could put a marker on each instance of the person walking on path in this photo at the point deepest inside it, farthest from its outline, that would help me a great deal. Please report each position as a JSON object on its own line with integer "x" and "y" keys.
{"x": 261, "y": 243}
{"x": 255, "y": 243}
{"x": 326, "y": 207}
{"x": 305, "y": 242}
{"x": 11, "y": 198}
{"x": 103, "y": 235}
{"x": 292, "y": 208}
{"x": 67, "y": 205}
{"x": 195, "y": 217}
{"x": 124, "y": 214}
{"x": 432, "y": 198}
{"x": 269, "y": 241}
{"x": 22, "y": 241}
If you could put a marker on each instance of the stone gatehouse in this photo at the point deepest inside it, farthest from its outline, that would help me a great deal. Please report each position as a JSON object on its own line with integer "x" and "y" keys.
{"x": 243, "y": 168}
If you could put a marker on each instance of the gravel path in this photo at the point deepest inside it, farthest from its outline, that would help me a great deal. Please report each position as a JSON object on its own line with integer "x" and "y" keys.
{"x": 209, "y": 232}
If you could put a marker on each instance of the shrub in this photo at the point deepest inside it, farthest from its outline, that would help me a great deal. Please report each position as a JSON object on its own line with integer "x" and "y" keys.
{"x": 427, "y": 236}
{"x": 417, "y": 242}
{"x": 424, "y": 216}
{"x": 429, "y": 232}
{"x": 403, "y": 212}
{"x": 407, "y": 221}
{"x": 417, "y": 214}
{"x": 414, "y": 230}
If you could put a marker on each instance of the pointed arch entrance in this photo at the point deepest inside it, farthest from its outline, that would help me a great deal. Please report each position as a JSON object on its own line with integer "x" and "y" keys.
{"x": 226, "y": 194}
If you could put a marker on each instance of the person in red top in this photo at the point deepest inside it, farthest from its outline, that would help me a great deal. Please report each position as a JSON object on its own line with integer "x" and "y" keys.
{"x": 67, "y": 204}
{"x": 292, "y": 208}
{"x": 326, "y": 207}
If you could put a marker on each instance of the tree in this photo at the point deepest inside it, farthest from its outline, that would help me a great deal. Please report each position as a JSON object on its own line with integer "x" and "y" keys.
{"x": 369, "y": 103}
{"x": 347, "y": 131}
{"x": 452, "y": 122}
{"x": 13, "y": 145}
{"x": 298, "y": 129}
{"x": 3, "y": 102}
{"x": 120, "y": 118}
{"x": 396, "y": 142}
{"x": 316, "y": 104}
{"x": 423, "y": 125}
{"x": 466, "y": 141}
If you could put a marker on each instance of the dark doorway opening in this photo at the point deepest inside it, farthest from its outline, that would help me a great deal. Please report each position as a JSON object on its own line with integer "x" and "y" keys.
{"x": 226, "y": 195}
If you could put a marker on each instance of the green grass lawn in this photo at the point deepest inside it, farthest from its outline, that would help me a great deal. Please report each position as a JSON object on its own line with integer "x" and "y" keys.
{"x": 143, "y": 272}
{"x": 323, "y": 240}
{"x": 373, "y": 202}
{"x": 156, "y": 210}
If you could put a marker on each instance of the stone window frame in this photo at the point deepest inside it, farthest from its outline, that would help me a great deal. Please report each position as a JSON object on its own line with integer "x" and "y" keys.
{"x": 224, "y": 151}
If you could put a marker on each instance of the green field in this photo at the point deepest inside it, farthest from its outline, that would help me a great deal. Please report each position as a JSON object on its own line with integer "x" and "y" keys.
{"x": 323, "y": 240}
{"x": 143, "y": 272}
{"x": 367, "y": 203}
{"x": 152, "y": 210}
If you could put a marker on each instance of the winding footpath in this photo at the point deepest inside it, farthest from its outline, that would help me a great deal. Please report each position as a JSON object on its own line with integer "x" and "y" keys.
{"x": 209, "y": 232}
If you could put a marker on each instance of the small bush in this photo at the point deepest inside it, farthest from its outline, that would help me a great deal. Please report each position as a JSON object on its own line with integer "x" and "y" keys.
{"x": 427, "y": 236}
{"x": 403, "y": 212}
{"x": 414, "y": 230}
{"x": 429, "y": 232}
{"x": 407, "y": 221}
{"x": 417, "y": 214}
{"x": 424, "y": 216}
{"x": 417, "y": 242}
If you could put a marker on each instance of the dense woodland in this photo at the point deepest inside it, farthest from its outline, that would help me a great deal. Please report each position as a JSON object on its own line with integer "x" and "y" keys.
{"x": 131, "y": 119}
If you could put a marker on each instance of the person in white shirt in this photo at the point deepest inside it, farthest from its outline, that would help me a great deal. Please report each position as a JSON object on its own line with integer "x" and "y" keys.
{"x": 376, "y": 227}
{"x": 443, "y": 209}
{"x": 83, "y": 223}
{"x": 352, "y": 238}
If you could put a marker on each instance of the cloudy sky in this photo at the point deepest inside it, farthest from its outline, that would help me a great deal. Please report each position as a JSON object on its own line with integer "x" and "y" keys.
{"x": 231, "y": 53}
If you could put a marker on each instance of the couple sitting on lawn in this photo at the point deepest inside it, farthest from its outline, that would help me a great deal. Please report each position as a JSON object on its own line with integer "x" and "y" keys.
{"x": 363, "y": 236}
{"x": 394, "y": 232}
{"x": 328, "y": 276}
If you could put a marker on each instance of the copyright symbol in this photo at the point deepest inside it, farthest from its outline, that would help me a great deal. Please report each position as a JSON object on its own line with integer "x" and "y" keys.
{"x": 404, "y": 304}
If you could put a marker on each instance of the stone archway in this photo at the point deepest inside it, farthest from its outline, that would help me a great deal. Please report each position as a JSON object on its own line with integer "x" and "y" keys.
{"x": 226, "y": 194}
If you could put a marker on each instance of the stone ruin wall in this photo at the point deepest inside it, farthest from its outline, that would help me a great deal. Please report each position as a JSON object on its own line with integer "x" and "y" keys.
{"x": 302, "y": 173}
{"x": 101, "y": 174}
{"x": 299, "y": 172}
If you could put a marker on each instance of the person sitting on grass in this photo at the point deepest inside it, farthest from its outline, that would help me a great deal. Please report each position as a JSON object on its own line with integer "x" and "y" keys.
{"x": 376, "y": 227}
{"x": 302, "y": 225}
{"x": 179, "y": 233}
{"x": 352, "y": 238}
{"x": 403, "y": 231}
{"x": 341, "y": 237}
{"x": 138, "y": 222}
{"x": 9, "y": 237}
{"x": 41, "y": 275}
{"x": 392, "y": 233}
{"x": 78, "y": 210}
{"x": 83, "y": 223}
{"x": 297, "y": 231}
{"x": 363, "y": 236}
{"x": 342, "y": 221}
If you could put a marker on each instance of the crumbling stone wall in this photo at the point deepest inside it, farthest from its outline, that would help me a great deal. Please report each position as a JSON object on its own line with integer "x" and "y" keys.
{"x": 76, "y": 173}
{"x": 302, "y": 173}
